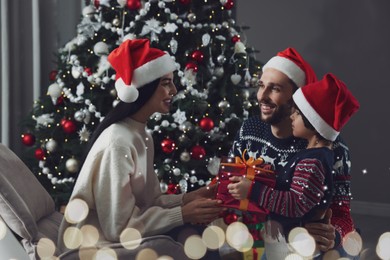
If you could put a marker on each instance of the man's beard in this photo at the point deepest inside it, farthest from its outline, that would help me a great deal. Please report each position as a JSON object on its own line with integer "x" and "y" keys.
{"x": 280, "y": 114}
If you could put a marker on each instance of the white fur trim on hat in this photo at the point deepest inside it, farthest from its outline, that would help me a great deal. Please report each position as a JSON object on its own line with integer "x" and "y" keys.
{"x": 288, "y": 67}
{"x": 152, "y": 70}
{"x": 323, "y": 128}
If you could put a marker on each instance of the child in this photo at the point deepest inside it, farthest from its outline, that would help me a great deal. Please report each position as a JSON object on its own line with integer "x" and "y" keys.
{"x": 304, "y": 188}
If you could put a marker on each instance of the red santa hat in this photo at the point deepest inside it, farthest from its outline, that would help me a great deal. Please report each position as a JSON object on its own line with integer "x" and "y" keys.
{"x": 291, "y": 63}
{"x": 327, "y": 104}
{"x": 137, "y": 64}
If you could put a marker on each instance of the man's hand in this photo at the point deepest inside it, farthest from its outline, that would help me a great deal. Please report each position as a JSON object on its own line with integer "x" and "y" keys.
{"x": 323, "y": 233}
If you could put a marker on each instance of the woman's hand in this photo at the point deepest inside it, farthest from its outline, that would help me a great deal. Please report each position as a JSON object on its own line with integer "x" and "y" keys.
{"x": 204, "y": 192}
{"x": 201, "y": 211}
{"x": 239, "y": 188}
{"x": 323, "y": 233}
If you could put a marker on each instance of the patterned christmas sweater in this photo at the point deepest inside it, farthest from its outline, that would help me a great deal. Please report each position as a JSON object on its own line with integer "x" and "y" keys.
{"x": 303, "y": 189}
{"x": 256, "y": 138}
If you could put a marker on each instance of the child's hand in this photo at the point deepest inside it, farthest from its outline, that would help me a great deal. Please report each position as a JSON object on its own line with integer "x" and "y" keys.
{"x": 239, "y": 188}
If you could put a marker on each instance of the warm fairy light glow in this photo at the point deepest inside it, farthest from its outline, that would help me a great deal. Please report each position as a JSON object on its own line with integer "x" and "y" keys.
{"x": 130, "y": 238}
{"x": 302, "y": 242}
{"x": 73, "y": 237}
{"x": 383, "y": 248}
{"x": 146, "y": 254}
{"x": 90, "y": 235}
{"x": 352, "y": 243}
{"x": 213, "y": 237}
{"x": 238, "y": 236}
{"x": 105, "y": 254}
{"x": 194, "y": 247}
{"x": 76, "y": 211}
{"x": 45, "y": 248}
{"x": 3, "y": 229}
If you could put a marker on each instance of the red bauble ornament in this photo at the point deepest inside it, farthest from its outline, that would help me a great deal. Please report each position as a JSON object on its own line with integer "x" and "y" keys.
{"x": 168, "y": 145}
{"x": 96, "y": 3}
{"x": 197, "y": 55}
{"x": 39, "y": 154}
{"x": 229, "y": 5}
{"x": 89, "y": 71}
{"x": 63, "y": 121}
{"x": 69, "y": 127}
{"x": 133, "y": 4}
{"x": 60, "y": 100}
{"x": 198, "y": 152}
{"x": 192, "y": 65}
{"x": 206, "y": 124}
{"x": 28, "y": 139}
{"x": 172, "y": 189}
{"x": 185, "y": 2}
{"x": 53, "y": 75}
{"x": 229, "y": 218}
{"x": 236, "y": 38}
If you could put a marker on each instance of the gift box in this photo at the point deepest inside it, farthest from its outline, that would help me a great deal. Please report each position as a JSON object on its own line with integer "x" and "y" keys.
{"x": 253, "y": 169}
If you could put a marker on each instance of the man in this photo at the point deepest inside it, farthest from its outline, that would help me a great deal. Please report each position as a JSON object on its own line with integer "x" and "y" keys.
{"x": 270, "y": 136}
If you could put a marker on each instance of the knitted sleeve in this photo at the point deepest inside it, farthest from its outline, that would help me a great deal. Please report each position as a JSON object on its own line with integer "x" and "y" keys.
{"x": 118, "y": 208}
{"x": 341, "y": 213}
{"x": 341, "y": 202}
{"x": 305, "y": 192}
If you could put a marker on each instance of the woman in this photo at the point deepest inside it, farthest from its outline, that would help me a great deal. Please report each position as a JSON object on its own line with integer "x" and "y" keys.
{"x": 117, "y": 180}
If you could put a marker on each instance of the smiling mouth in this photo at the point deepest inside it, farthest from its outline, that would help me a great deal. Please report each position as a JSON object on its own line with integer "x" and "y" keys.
{"x": 168, "y": 102}
{"x": 266, "y": 108}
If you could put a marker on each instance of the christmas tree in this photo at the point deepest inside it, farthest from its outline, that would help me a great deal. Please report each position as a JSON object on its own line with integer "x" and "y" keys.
{"x": 215, "y": 79}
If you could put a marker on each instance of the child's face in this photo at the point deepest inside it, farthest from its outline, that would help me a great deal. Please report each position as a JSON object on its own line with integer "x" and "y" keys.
{"x": 298, "y": 126}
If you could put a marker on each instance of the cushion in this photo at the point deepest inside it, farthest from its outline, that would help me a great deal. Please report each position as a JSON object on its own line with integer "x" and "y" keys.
{"x": 23, "y": 200}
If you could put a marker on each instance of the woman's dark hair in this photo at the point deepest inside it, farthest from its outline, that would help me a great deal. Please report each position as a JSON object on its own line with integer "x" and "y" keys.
{"x": 121, "y": 111}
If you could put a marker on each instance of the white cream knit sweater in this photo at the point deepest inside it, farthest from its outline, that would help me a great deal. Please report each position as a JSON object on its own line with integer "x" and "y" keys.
{"x": 122, "y": 190}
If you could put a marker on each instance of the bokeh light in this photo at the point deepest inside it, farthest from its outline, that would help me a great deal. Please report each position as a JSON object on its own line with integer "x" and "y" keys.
{"x": 87, "y": 253}
{"x": 331, "y": 255}
{"x": 352, "y": 243}
{"x": 76, "y": 211}
{"x": 105, "y": 253}
{"x": 383, "y": 246}
{"x": 213, "y": 237}
{"x": 302, "y": 242}
{"x": 165, "y": 257}
{"x": 130, "y": 238}
{"x": 73, "y": 237}
{"x": 194, "y": 247}
{"x": 3, "y": 229}
{"x": 45, "y": 248}
{"x": 294, "y": 257}
{"x": 238, "y": 237}
{"x": 90, "y": 235}
{"x": 146, "y": 254}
